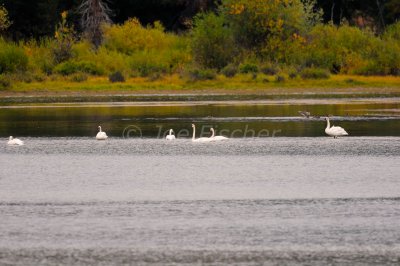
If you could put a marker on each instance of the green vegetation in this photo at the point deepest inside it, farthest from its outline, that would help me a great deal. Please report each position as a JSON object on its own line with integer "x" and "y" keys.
{"x": 243, "y": 43}
{"x": 4, "y": 21}
{"x": 116, "y": 77}
{"x": 314, "y": 73}
{"x": 12, "y": 58}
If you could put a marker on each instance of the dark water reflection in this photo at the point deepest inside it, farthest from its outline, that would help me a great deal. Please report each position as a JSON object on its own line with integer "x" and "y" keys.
{"x": 237, "y": 119}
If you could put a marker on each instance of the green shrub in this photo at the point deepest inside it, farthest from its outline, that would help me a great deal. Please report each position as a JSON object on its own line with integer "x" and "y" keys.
{"x": 269, "y": 69}
{"x": 108, "y": 60}
{"x": 117, "y": 76}
{"x": 145, "y": 69}
{"x": 229, "y": 71}
{"x": 155, "y": 76}
{"x": 256, "y": 23}
{"x": 139, "y": 50}
{"x": 71, "y": 67}
{"x": 144, "y": 63}
{"x": 12, "y": 58}
{"x": 4, "y": 21}
{"x": 212, "y": 41}
{"x": 279, "y": 78}
{"x": 41, "y": 57}
{"x": 246, "y": 68}
{"x": 79, "y": 77}
{"x": 39, "y": 77}
{"x": 314, "y": 73}
{"x": 64, "y": 40}
{"x": 392, "y": 32}
{"x": 5, "y": 82}
{"x": 131, "y": 37}
{"x": 202, "y": 74}
{"x": 292, "y": 74}
{"x": 339, "y": 49}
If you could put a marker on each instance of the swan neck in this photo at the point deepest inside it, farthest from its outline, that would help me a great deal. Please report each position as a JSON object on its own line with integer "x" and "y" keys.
{"x": 328, "y": 124}
{"x": 213, "y": 133}
{"x": 194, "y": 132}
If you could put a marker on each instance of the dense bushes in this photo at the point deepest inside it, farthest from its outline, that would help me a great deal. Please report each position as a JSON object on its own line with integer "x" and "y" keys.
{"x": 275, "y": 38}
{"x": 349, "y": 50}
{"x": 12, "y": 57}
{"x": 255, "y": 23}
{"x": 131, "y": 37}
{"x": 247, "y": 68}
{"x": 145, "y": 50}
{"x": 117, "y": 76}
{"x": 72, "y": 67}
{"x": 269, "y": 69}
{"x": 339, "y": 49}
{"x": 212, "y": 41}
{"x": 5, "y": 82}
{"x": 202, "y": 74}
{"x": 229, "y": 71}
{"x": 314, "y": 73}
{"x": 288, "y": 33}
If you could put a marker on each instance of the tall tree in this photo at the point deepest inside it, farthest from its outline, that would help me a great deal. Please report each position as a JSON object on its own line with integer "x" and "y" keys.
{"x": 94, "y": 14}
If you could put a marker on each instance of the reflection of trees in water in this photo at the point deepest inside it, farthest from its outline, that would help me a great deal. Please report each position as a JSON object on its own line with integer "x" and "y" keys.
{"x": 83, "y": 121}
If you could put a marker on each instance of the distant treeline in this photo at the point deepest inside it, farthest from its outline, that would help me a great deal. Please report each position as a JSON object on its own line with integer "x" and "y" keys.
{"x": 39, "y": 18}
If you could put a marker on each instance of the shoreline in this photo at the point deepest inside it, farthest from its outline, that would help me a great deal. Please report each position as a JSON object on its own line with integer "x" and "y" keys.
{"x": 189, "y": 97}
{"x": 172, "y": 88}
{"x": 197, "y": 102}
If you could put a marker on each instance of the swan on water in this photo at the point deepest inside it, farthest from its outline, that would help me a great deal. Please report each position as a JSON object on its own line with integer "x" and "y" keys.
{"x": 101, "y": 135}
{"x": 217, "y": 138}
{"x": 199, "y": 139}
{"x": 170, "y": 136}
{"x": 334, "y": 131}
{"x": 16, "y": 142}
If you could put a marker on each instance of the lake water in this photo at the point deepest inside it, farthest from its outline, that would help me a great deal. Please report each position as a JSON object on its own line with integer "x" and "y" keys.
{"x": 263, "y": 118}
{"x": 71, "y": 200}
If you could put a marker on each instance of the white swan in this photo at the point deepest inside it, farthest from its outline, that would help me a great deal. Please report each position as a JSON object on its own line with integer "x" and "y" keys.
{"x": 199, "y": 139}
{"x": 16, "y": 142}
{"x": 334, "y": 131}
{"x": 101, "y": 135}
{"x": 217, "y": 138}
{"x": 170, "y": 136}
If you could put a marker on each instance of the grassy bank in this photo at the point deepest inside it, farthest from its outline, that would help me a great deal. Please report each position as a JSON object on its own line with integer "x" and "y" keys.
{"x": 101, "y": 89}
{"x": 240, "y": 83}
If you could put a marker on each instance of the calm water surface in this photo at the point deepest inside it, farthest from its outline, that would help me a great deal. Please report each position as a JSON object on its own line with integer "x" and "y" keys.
{"x": 362, "y": 117}
{"x": 268, "y": 201}
{"x": 299, "y": 198}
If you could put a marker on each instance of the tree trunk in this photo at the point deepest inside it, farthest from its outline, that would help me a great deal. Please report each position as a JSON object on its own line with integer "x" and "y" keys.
{"x": 94, "y": 14}
{"x": 380, "y": 12}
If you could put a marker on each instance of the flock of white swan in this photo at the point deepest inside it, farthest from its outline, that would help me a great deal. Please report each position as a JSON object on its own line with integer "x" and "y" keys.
{"x": 333, "y": 131}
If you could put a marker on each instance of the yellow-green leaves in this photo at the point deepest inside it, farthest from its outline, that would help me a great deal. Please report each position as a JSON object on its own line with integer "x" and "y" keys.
{"x": 4, "y": 21}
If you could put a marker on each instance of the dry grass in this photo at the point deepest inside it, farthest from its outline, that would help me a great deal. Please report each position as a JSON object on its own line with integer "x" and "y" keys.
{"x": 239, "y": 84}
